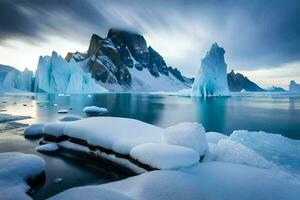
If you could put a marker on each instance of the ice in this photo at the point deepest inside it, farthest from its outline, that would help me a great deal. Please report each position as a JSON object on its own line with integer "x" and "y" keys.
{"x": 282, "y": 151}
{"x": 52, "y": 73}
{"x": 62, "y": 111}
{"x": 34, "y": 130}
{"x": 212, "y": 77}
{"x": 230, "y": 151}
{"x": 165, "y": 156}
{"x": 94, "y": 109}
{"x": 47, "y": 147}
{"x": 215, "y": 137}
{"x": 211, "y": 180}
{"x": 21, "y": 80}
{"x": 68, "y": 118}
{"x": 15, "y": 169}
{"x": 294, "y": 87}
{"x": 187, "y": 134}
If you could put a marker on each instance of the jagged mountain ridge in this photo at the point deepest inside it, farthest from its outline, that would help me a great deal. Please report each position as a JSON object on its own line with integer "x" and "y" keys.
{"x": 237, "y": 82}
{"x": 118, "y": 59}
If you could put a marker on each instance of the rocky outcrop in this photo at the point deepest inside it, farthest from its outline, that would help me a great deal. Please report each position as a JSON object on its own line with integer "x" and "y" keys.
{"x": 237, "y": 82}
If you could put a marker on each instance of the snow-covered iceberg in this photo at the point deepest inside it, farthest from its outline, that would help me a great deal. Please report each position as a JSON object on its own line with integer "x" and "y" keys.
{"x": 56, "y": 75}
{"x": 212, "y": 77}
{"x": 294, "y": 87}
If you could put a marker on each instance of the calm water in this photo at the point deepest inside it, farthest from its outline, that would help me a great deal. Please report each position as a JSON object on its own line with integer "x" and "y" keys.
{"x": 271, "y": 114}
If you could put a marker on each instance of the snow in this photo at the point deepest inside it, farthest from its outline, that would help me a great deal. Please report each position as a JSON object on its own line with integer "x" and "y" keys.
{"x": 187, "y": 134}
{"x": 68, "y": 118}
{"x": 165, "y": 156}
{"x": 94, "y": 109}
{"x": 62, "y": 111}
{"x": 212, "y": 77}
{"x": 34, "y": 130}
{"x": 55, "y": 75}
{"x": 55, "y": 129}
{"x": 117, "y": 134}
{"x": 215, "y": 137}
{"x": 15, "y": 169}
{"x": 212, "y": 180}
{"x": 47, "y": 147}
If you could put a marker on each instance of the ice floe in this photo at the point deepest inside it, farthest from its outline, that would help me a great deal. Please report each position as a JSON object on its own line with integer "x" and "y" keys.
{"x": 34, "y": 130}
{"x": 47, "y": 147}
{"x": 95, "y": 109}
{"x": 68, "y": 118}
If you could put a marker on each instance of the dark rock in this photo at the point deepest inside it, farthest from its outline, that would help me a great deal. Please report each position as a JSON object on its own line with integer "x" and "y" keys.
{"x": 237, "y": 82}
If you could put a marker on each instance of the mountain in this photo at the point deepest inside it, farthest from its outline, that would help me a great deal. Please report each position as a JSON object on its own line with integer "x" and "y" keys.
{"x": 123, "y": 62}
{"x": 294, "y": 87}
{"x": 275, "y": 89}
{"x": 211, "y": 79}
{"x": 237, "y": 82}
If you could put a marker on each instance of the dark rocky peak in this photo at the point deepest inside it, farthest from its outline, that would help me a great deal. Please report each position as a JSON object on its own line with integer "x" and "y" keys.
{"x": 156, "y": 63}
{"x": 95, "y": 44}
{"x": 135, "y": 43}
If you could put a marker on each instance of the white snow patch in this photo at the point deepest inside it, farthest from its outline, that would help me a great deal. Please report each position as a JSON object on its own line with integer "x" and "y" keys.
{"x": 215, "y": 137}
{"x": 47, "y": 147}
{"x": 94, "y": 109}
{"x": 62, "y": 111}
{"x": 55, "y": 129}
{"x": 187, "y": 134}
{"x": 34, "y": 130}
{"x": 165, "y": 156}
{"x": 15, "y": 169}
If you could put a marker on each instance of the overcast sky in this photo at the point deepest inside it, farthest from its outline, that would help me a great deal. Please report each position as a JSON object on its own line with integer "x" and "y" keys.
{"x": 261, "y": 37}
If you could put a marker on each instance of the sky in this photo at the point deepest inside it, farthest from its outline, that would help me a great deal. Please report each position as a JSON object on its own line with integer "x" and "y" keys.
{"x": 261, "y": 37}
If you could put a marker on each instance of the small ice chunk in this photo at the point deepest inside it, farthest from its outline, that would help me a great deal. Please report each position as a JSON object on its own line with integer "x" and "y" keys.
{"x": 55, "y": 129}
{"x": 94, "y": 109}
{"x": 57, "y": 180}
{"x": 165, "y": 156}
{"x": 187, "y": 134}
{"x": 69, "y": 118}
{"x": 62, "y": 111}
{"x": 34, "y": 130}
{"x": 47, "y": 148}
{"x": 89, "y": 95}
{"x": 215, "y": 137}
{"x": 55, "y": 104}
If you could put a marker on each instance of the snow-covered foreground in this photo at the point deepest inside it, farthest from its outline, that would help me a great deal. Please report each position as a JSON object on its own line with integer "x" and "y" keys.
{"x": 241, "y": 166}
{"x": 15, "y": 170}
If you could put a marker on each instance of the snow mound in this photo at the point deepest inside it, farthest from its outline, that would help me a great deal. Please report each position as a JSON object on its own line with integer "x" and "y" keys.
{"x": 55, "y": 129}
{"x": 165, "y": 156}
{"x": 68, "y": 118}
{"x": 212, "y": 77}
{"x": 62, "y": 111}
{"x": 187, "y": 134}
{"x": 15, "y": 169}
{"x": 94, "y": 109}
{"x": 212, "y": 180}
{"x": 47, "y": 148}
{"x": 34, "y": 130}
{"x": 215, "y": 137}
{"x": 117, "y": 134}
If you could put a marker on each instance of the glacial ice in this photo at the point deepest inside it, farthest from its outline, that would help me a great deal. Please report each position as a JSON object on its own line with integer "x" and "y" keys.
{"x": 47, "y": 148}
{"x": 55, "y": 75}
{"x": 212, "y": 77}
{"x": 21, "y": 80}
{"x": 34, "y": 130}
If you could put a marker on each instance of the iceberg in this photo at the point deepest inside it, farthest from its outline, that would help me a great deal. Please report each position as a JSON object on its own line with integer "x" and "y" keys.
{"x": 56, "y": 75}
{"x": 212, "y": 77}
{"x": 21, "y": 80}
{"x": 294, "y": 87}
